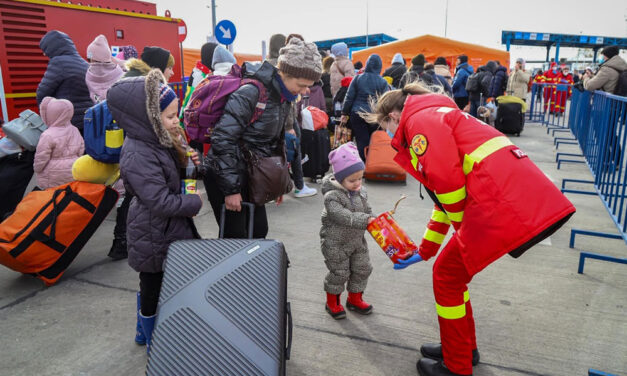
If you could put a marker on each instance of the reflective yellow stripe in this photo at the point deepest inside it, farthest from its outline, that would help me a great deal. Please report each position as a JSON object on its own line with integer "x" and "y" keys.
{"x": 434, "y": 236}
{"x": 414, "y": 159}
{"x": 451, "y": 313}
{"x": 452, "y": 197}
{"x": 455, "y": 217}
{"x": 20, "y": 95}
{"x": 440, "y": 216}
{"x": 483, "y": 151}
{"x": 99, "y": 10}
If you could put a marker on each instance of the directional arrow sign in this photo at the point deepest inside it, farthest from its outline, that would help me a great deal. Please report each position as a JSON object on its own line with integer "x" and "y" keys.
{"x": 225, "y": 32}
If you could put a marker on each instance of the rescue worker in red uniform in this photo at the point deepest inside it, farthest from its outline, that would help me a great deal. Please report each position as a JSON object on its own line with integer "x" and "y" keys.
{"x": 496, "y": 198}
{"x": 563, "y": 93}
{"x": 538, "y": 79}
{"x": 550, "y": 92}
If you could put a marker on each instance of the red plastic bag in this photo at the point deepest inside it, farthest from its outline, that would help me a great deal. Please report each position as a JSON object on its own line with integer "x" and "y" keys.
{"x": 319, "y": 117}
{"x": 391, "y": 237}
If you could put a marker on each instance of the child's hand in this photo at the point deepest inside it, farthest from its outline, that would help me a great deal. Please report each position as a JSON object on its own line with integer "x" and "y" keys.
{"x": 279, "y": 200}
{"x": 195, "y": 158}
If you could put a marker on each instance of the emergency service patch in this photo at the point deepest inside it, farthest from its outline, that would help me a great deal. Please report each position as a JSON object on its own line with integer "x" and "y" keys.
{"x": 419, "y": 144}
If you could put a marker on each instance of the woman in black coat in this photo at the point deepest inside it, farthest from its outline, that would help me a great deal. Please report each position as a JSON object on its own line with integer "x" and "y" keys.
{"x": 65, "y": 76}
{"x": 226, "y": 181}
{"x": 362, "y": 89}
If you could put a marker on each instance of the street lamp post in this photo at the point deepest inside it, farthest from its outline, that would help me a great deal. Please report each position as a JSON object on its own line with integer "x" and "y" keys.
{"x": 367, "y": 18}
{"x": 446, "y": 20}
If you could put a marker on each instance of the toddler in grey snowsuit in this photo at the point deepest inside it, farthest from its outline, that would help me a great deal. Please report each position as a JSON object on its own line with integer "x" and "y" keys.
{"x": 345, "y": 216}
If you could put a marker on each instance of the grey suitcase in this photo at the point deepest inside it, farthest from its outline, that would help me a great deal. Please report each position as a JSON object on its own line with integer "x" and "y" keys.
{"x": 223, "y": 310}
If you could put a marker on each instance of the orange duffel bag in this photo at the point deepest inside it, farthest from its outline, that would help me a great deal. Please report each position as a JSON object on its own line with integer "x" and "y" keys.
{"x": 48, "y": 228}
{"x": 380, "y": 164}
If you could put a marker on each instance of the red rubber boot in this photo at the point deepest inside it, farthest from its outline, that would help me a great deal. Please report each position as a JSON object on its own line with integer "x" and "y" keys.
{"x": 355, "y": 303}
{"x": 334, "y": 307}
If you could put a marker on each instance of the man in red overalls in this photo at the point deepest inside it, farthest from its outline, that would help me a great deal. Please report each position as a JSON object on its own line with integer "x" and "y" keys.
{"x": 551, "y": 76}
{"x": 496, "y": 198}
{"x": 563, "y": 93}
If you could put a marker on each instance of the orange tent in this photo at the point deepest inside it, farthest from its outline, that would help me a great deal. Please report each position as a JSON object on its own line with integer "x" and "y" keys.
{"x": 432, "y": 47}
{"x": 192, "y": 55}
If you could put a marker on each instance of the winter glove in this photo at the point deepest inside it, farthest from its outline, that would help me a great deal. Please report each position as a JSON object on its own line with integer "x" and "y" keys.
{"x": 402, "y": 264}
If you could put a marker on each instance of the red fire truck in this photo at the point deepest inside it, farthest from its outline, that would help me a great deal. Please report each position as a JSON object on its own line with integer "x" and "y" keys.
{"x": 24, "y": 22}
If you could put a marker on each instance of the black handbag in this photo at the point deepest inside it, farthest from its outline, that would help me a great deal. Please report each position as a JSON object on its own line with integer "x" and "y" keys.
{"x": 268, "y": 177}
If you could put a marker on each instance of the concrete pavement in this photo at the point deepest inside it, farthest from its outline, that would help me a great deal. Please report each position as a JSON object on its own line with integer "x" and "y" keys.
{"x": 534, "y": 315}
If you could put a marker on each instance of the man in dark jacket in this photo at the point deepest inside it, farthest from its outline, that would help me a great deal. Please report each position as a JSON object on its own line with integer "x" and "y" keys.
{"x": 65, "y": 76}
{"x": 299, "y": 66}
{"x": 462, "y": 72}
{"x": 277, "y": 41}
{"x": 430, "y": 78}
{"x": 397, "y": 70}
{"x": 362, "y": 88}
{"x": 483, "y": 77}
{"x": 413, "y": 74}
{"x": 498, "y": 83}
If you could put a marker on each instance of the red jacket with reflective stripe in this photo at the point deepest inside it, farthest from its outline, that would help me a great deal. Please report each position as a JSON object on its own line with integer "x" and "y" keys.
{"x": 508, "y": 201}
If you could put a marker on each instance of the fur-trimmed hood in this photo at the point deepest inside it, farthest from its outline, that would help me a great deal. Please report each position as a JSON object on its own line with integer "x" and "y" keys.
{"x": 134, "y": 103}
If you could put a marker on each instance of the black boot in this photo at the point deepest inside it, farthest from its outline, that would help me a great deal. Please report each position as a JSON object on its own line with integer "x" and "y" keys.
{"x": 430, "y": 367}
{"x": 118, "y": 249}
{"x": 434, "y": 351}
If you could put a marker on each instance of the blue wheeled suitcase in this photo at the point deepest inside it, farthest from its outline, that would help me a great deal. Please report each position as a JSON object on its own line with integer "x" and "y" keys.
{"x": 223, "y": 309}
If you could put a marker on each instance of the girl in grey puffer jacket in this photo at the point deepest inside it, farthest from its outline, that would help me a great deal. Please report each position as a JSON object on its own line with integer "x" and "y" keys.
{"x": 345, "y": 217}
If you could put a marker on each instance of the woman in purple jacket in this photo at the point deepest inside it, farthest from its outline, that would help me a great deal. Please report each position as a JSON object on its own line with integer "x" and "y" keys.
{"x": 150, "y": 163}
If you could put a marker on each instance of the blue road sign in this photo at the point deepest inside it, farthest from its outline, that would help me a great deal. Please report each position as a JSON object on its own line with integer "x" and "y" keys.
{"x": 225, "y": 32}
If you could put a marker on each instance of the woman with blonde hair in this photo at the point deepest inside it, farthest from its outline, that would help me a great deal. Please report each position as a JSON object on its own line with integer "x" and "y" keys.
{"x": 496, "y": 198}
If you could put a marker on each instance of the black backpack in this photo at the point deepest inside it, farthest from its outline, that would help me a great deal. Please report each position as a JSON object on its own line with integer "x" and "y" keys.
{"x": 621, "y": 84}
{"x": 473, "y": 85}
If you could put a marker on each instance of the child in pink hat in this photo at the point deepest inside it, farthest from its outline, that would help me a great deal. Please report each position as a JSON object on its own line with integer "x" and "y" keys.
{"x": 345, "y": 216}
{"x": 59, "y": 146}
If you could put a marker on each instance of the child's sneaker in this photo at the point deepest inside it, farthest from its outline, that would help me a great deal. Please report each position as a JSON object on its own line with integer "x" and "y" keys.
{"x": 305, "y": 192}
{"x": 334, "y": 307}
{"x": 355, "y": 303}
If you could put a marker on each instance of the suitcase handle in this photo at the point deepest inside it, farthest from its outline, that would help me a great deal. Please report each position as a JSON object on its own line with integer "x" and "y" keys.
{"x": 251, "y": 215}
{"x": 288, "y": 313}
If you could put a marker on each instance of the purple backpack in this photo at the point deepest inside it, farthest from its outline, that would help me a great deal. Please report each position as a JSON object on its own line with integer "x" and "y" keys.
{"x": 206, "y": 105}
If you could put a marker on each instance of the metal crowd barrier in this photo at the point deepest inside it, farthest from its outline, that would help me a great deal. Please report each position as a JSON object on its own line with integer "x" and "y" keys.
{"x": 536, "y": 108}
{"x": 549, "y": 106}
{"x": 598, "y": 122}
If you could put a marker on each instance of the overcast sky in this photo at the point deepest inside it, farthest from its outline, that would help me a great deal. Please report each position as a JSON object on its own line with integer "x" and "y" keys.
{"x": 478, "y": 21}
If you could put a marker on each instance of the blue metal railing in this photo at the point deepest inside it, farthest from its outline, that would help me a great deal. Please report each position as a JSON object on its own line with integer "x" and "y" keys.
{"x": 598, "y": 122}
{"x": 548, "y": 105}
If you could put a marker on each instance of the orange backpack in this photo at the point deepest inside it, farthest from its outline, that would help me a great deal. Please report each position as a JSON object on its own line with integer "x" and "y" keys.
{"x": 48, "y": 228}
{"x": 380, "y": 164}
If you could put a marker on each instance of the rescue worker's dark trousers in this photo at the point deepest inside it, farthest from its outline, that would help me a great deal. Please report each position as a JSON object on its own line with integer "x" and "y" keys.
{"x": 452, "y": 302}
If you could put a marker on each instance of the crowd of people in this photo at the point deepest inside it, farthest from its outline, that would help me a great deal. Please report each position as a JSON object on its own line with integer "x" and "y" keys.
{"x": 417, "y": 106}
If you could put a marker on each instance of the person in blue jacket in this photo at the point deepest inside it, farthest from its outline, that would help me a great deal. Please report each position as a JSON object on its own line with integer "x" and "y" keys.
{"x": 367, "y": 85}
{"x": 462, "y": 72}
